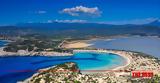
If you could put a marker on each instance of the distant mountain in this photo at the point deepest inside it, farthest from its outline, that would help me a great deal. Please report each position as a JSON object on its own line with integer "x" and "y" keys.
{"x": 81, "y": 29}
{"x": 155, "y": 23}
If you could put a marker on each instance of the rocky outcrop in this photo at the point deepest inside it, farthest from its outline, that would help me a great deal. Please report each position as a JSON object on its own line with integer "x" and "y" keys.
{"x": 62, "y": 73}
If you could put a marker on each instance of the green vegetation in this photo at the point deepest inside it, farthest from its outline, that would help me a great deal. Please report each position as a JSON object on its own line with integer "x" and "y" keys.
{"x": 35, "y": 43}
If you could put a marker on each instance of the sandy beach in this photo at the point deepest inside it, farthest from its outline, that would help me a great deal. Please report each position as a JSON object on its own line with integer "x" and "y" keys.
{"x": 84, "y": 44}
{"x": 126, "y": 56}
{"x": 76, "y": 44}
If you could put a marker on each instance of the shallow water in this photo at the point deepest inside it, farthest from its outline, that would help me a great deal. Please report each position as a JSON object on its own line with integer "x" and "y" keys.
{"x": 148, "y": 45}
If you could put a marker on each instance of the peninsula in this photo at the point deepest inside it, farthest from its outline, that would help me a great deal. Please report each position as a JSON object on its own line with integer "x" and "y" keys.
{"x": 135, "y": 61}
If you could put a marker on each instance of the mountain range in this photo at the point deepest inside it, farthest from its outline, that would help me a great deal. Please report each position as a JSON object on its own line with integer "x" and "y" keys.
{"x": 81, "y": 29}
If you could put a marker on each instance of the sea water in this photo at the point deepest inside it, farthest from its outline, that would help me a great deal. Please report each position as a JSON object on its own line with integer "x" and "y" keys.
{"x": 13, "y": 69}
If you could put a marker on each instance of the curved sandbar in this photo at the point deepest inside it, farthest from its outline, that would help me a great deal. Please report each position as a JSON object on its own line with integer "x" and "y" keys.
{"x": 76, "y": 44}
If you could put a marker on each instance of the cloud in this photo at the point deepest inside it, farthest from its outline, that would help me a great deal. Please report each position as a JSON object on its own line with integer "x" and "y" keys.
{"x": 68, "y": 21}
{"x": 41, "y": 12}
{"x": 78, "y": 10}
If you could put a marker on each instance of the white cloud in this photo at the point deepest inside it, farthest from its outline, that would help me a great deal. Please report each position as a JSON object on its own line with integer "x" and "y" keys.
{"x": 71, "y": 21}
{"x": 76, "y": 11}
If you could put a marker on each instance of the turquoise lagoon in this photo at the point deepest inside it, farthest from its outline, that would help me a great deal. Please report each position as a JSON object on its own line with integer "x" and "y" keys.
{"x": 13, "y": 69}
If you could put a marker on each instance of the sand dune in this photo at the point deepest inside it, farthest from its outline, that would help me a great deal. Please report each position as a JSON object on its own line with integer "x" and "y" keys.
{"x": 77, "y": 45}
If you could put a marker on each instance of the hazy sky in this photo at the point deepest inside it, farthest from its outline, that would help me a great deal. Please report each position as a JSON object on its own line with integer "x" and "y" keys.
{"x": 111, "y": 11}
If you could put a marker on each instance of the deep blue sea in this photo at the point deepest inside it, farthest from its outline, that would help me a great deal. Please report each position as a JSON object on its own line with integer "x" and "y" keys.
{"x": 148, "y": 45}
{"x": 13, "y": 69}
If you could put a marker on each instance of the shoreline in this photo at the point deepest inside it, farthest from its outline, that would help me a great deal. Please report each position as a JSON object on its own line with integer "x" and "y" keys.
{"x": 123, "y": 54}
{"x": 129, "y": 66}
{"x": 127, "y": 63}
{"x": 26, "y": 53}
{"x": 119, "y": 53}
{"x": 127, "y": 55}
